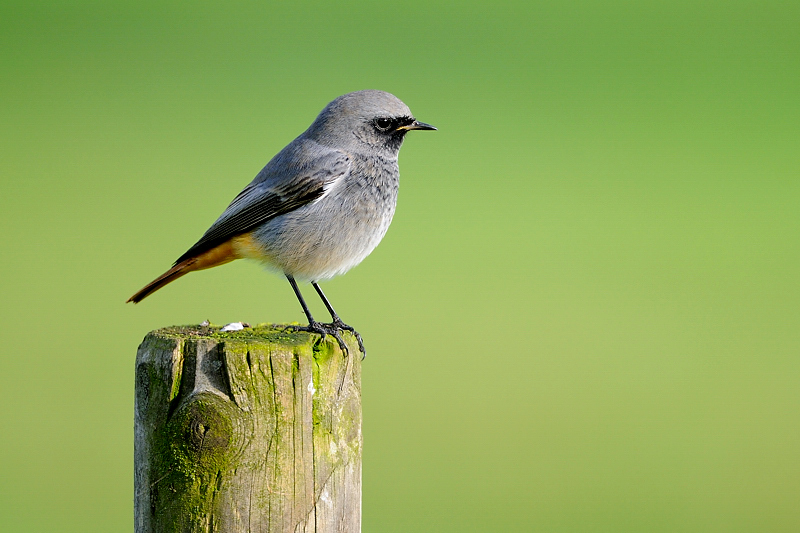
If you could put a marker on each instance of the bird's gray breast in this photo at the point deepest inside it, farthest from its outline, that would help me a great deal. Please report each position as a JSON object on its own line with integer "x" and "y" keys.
{"x": 336, "y": 232}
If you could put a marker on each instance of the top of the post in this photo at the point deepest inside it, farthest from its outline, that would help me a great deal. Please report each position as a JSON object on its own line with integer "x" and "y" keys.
{"x": 272, "y": 333}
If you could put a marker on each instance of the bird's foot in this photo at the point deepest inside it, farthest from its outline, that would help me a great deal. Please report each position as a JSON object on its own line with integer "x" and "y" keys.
{"x": 334, "y": 329}
{"x": 337, "y": 323}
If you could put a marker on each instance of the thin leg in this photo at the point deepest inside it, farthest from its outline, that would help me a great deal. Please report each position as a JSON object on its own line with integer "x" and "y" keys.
{"x": 334, "y": 316}
{"x": 297, "y": 293}
{"x": 313, "y": 325}
{"x": 337, "y": 322}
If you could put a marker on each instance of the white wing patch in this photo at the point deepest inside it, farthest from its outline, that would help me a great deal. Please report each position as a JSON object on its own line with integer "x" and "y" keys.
{"x": 330, "y": 185}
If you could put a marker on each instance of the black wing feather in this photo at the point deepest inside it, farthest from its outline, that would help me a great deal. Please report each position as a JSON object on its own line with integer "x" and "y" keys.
{"x": 273, "y": 202}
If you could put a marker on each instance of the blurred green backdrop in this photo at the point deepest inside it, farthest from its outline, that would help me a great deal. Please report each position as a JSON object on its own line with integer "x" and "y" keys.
{"x": 584, "y": 317}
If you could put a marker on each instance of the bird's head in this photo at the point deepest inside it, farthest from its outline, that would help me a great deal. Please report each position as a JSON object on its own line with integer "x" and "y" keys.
{"x": 364, "y": 121}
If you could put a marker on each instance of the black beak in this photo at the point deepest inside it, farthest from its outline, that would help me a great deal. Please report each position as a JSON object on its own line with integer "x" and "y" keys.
{"x": 417, "y": 125}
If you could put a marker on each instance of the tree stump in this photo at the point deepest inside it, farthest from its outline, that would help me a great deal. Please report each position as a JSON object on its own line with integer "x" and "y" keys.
{"x": 251, "y": 431}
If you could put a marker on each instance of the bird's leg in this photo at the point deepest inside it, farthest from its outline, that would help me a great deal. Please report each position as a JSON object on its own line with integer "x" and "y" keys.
{"x": 299, "y": 295}
{"x": 313, "y": 325}
{"x": 337, "y": 322}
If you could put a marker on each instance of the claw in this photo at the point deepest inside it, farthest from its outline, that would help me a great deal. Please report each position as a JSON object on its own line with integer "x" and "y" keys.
{"x": 333, "y": 330}
{"x": 337, "y": 323}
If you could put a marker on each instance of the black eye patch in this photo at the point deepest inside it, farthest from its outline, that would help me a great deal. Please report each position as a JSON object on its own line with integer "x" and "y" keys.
{"x": 387, "y": 124}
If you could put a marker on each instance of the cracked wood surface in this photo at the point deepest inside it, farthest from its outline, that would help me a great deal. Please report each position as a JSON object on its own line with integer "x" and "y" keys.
{"x": 250, "y": 431}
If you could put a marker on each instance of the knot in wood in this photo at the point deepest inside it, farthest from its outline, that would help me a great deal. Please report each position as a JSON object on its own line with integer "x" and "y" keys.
{"x": 206, "y": 425}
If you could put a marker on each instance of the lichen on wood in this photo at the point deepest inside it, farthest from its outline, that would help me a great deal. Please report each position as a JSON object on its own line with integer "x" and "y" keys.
{"x": 257, "y": 430}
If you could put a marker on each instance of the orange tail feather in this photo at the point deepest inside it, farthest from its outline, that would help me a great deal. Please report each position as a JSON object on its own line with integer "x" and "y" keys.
{"x": 224, "y": 253}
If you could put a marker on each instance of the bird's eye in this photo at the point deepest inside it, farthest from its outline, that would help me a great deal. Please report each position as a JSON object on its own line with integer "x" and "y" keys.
{"x": 383, "y": 124}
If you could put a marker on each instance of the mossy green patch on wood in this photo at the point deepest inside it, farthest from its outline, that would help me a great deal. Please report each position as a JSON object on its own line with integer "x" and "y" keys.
{"x": 269, "y": 333}
{"x": 191, "y": 452}
{"x": 282, "y": 334}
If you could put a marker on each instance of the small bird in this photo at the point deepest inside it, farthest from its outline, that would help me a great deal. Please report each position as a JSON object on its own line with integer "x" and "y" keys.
{"x": 319, "y": 207}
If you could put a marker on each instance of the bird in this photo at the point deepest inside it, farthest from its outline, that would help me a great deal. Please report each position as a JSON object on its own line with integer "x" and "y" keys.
{"x": 318, "y": 207}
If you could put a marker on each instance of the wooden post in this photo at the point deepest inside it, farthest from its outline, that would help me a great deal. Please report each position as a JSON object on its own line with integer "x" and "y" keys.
{"x": 251, "y": 431}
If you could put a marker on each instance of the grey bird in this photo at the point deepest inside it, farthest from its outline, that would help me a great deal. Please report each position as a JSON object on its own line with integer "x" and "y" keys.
{"x": 319, "y": 207}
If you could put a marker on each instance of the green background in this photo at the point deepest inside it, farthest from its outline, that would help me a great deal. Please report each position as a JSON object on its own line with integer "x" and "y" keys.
{"x": 585, "y": 316}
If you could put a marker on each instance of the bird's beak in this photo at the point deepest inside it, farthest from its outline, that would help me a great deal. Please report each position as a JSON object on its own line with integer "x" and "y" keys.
{"x": 417, "y": 125}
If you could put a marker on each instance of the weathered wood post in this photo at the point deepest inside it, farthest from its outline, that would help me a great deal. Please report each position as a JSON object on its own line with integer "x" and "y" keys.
{"x": 251, "y": 431}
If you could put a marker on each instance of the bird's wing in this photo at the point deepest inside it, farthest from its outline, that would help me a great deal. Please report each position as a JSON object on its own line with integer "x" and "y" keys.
{"x": 272, "y": 194}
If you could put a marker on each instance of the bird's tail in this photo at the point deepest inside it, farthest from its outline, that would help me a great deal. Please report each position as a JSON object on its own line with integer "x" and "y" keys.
{"x": 181, "y": 269}
{"x": 219, "y": 255}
